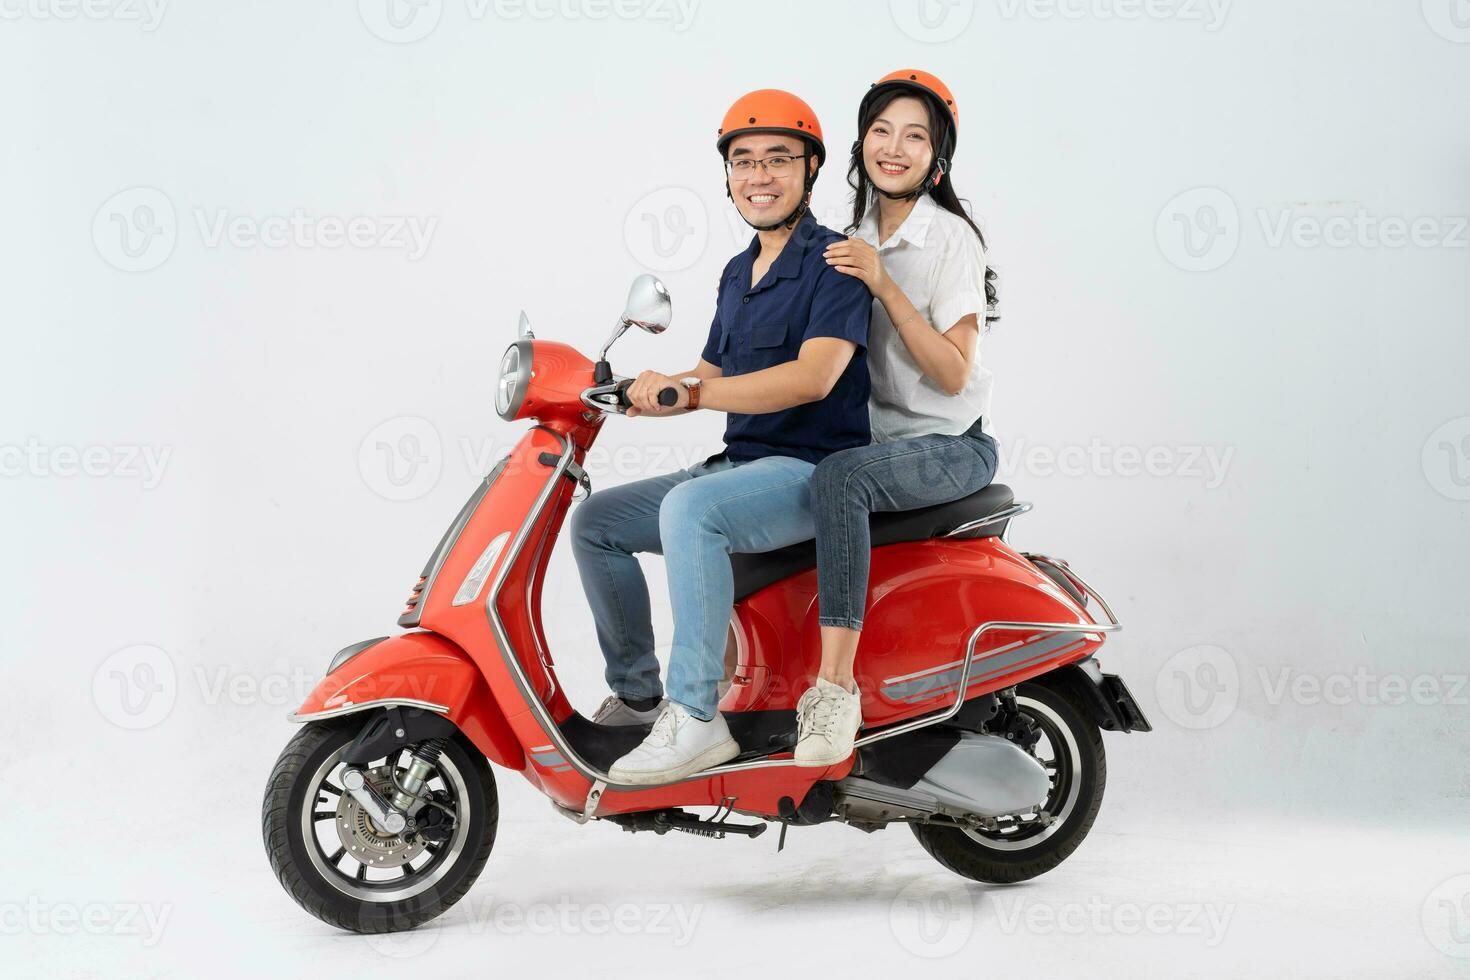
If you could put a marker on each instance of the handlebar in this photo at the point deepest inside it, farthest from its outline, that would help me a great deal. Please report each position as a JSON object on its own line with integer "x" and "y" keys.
{"x": 613, "y": 397}
{"x": 668, "y": 397}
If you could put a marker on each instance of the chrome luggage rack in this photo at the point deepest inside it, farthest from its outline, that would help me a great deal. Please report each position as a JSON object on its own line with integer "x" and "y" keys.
{"x": 963, "y": 685}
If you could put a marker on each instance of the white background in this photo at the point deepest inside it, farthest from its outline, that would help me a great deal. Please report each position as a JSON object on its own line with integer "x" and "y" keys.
{"x": 1232, "y": 244}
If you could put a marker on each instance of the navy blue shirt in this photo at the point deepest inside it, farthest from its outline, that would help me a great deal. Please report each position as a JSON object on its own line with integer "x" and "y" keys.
{"x": 799, "y": 297}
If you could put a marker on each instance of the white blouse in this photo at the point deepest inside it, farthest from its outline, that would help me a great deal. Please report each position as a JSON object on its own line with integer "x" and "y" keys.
{"x": 935, "y": 257}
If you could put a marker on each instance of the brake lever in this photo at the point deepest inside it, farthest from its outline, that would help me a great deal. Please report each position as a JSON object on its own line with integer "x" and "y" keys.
{"x": 608, "y": 398}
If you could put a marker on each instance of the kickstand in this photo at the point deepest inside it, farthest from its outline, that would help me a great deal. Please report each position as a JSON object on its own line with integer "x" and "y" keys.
{"x": 781, "y": 841}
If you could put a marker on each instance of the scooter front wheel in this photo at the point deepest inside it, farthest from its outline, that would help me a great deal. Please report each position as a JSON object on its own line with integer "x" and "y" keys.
{"x": 340, "y": 866}
{"x": 1021, "y": 847}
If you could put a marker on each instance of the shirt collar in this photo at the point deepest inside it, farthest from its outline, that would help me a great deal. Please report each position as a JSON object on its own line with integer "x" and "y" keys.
{"x": 914, "y": 230}
{"x": 789, "y": 263}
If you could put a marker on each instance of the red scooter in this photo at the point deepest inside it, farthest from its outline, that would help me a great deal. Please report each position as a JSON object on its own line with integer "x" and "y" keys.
{"x": 982, "y": 698}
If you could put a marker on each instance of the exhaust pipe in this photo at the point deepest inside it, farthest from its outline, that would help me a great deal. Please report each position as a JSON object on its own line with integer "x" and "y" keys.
{"x": 979, "y": 776}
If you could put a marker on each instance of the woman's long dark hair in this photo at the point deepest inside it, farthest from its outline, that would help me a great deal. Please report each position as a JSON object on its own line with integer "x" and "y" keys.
{"x": 865, "y": 195}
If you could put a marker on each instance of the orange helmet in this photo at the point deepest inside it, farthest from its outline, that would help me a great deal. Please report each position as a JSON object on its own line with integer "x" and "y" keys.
{"x": 920, "y": 82}
{"x": 771, "y": 110}
{"x": 927, "y": 87}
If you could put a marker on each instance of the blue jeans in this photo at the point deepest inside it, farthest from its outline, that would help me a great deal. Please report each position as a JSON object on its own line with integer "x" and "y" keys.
{"x": 695, "y": 518}
{"x": 901, "y": 475}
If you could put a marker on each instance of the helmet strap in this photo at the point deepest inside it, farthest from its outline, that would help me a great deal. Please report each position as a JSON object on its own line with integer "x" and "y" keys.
{"x": 931, "y": 180}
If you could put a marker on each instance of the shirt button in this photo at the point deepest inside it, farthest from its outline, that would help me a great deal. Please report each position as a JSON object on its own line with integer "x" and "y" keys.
{"x": 745, "y": 299}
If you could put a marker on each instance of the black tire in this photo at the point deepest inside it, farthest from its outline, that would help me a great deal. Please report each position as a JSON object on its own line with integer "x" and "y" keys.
{"x": 1025, "y": 850}
{"x": 310, "y": 881}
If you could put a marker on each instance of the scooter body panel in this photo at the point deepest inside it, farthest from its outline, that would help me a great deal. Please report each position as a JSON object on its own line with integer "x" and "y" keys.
{"x": 419, "y": 670}
{"x": 925, "y": 599}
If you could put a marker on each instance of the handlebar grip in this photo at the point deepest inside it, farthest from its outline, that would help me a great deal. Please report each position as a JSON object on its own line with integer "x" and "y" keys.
{"x": 669, "y": 397}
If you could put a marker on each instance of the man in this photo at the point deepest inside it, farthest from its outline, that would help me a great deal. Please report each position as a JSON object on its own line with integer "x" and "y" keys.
{"x": 785, "y": 360}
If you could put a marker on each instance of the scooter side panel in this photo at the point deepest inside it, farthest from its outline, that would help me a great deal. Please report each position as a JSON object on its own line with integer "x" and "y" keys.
{"x": 925, "y": 598}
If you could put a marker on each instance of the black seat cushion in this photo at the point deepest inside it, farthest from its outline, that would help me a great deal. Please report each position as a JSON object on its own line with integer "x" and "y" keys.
{"x": 755, "y": 572}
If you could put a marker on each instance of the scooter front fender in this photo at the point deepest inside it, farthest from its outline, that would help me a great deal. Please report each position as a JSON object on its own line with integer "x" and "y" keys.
{"x": 418, "y": 670}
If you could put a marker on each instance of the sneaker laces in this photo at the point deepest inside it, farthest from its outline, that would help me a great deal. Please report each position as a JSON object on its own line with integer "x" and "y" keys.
{"x": 818, "y": 713}
{"x": 665, "y": 727}
{"x": 605, "y": 706}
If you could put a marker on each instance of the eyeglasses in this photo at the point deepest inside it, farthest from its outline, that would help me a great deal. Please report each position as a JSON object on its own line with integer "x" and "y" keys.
{"x": 744, "y": 168}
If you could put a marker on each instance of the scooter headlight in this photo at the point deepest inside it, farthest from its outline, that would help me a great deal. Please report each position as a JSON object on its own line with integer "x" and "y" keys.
{"x": 515, "y": 376}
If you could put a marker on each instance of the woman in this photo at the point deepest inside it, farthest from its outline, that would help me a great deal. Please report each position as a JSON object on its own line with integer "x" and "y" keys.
{"x": 923, "y": 259}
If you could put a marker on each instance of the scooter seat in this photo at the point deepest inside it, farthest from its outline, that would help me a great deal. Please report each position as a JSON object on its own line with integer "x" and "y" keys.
{"x": 754, "y": 572}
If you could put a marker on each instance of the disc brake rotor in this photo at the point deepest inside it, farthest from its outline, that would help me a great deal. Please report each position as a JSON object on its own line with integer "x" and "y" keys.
{"x": 364, "y": 840}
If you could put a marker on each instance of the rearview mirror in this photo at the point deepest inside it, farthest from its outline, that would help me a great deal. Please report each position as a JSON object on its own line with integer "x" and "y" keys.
{"x": 648, "y": 306}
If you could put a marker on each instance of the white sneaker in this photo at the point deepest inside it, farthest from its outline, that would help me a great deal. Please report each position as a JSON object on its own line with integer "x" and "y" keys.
{"x": 615, "y": 711}
{"x": 679, "y": 745}
{"x": 827, "y": 720}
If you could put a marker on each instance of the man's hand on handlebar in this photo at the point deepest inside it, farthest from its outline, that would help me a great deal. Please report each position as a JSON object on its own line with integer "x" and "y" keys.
{"x": 643, "y": 395}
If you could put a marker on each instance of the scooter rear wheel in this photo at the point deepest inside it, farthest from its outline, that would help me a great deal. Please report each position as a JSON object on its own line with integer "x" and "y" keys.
{"x": 1023, "y": 847}
{"x": 335, "y": 862}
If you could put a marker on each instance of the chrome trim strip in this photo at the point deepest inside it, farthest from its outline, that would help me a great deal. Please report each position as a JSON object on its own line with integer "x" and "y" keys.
{"x": 1015, "y": 510}
{"x": 348, "y": 709}
{"x": 513, "y": 553}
